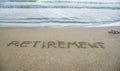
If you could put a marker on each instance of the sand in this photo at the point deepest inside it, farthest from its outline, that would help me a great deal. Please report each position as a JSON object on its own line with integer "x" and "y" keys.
{"x": 19, "y": 52}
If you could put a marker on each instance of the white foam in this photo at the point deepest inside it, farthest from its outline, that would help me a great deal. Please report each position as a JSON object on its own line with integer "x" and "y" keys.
{"x": 56, "y": 25}
{"x": 107, "y": 25}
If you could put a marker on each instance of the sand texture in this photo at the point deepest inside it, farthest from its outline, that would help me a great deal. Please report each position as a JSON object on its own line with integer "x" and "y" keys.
{"x": 59, "y": 49}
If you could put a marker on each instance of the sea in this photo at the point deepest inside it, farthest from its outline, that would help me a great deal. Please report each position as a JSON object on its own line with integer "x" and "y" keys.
{"x": 50, "y": 13}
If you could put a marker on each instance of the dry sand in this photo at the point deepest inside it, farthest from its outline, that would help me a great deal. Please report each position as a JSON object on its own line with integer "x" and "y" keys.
{"x": 25, "y": 57}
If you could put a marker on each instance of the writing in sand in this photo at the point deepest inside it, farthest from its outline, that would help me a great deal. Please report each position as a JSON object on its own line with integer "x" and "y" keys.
{"x": 56, "y": 44}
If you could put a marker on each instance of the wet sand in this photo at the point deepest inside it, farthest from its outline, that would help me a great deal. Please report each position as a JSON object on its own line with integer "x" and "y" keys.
{"x": 18, "y": 54}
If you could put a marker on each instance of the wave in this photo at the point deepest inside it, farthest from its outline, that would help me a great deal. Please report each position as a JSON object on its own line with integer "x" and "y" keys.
{"x": 90, "y": 5}
{"x": 117, "y": 24}
{"x": 53, "y": 20}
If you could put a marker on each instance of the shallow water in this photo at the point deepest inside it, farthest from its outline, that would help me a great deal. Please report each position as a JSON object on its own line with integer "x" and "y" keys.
{"x": 79, "y": 13}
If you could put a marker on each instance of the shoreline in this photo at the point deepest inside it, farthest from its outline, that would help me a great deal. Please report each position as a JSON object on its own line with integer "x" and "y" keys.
{"x": 57, "y": 25}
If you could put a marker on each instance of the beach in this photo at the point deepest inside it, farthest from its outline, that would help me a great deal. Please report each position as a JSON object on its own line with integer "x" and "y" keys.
{"x": 59, "y": 49}
{"x": 59, "y": 35}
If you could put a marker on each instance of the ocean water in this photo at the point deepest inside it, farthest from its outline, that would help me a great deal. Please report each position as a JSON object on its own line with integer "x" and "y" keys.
{"x": 59, "y": 13}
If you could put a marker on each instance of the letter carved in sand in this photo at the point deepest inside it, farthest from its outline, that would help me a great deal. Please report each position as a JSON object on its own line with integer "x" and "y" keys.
{"x": 56, "y": 44}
